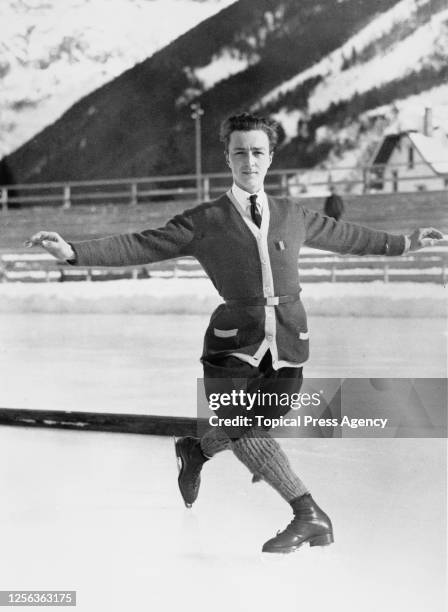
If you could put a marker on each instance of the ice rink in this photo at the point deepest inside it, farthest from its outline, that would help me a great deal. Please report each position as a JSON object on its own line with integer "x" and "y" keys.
{"x": 127, "y": 363}
{"x": 100, "y": 513}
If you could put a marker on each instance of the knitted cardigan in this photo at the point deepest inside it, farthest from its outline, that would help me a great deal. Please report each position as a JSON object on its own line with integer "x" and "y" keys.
{"x": 218, "y": 237}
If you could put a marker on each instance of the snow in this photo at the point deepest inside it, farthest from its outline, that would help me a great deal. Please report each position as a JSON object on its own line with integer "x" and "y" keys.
{"x": 411, "y": 109}
{"x": 408, "y": 55}
{"x": 197, "y": 296}
{"x": 404, "y": 114}
{"x": 332, "y": 63}
{"x": 425, "y": 46}
{"x": 311, "y": 183}
{"x": 34, "y": 257}
{"x": 383, "y": 24}
{"x": 365, "y": 272}
{"x": 432, "y": 151}
{"x": 221, "y": 67}
{"x": 289, "y": 119}
{"x": 58, "y": 52}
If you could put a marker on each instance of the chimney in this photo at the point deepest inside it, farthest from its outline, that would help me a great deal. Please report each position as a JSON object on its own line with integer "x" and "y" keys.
{"x": 427, "y": 122}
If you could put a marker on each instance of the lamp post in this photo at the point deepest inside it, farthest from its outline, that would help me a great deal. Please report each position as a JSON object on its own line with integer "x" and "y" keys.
{"x": 196, "y": 114}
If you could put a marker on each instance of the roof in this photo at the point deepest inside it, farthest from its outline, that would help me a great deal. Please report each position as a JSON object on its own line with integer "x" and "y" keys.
{"x": 433, "y": 150}
{"x": 385, "y": 149}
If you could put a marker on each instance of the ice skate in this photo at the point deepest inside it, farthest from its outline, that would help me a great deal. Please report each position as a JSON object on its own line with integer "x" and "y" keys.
{"x": 190, "y": 460}
{"x": 310, "y": 525}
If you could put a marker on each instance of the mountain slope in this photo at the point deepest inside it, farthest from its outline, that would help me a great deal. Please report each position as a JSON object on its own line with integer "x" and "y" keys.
{"x": 53, "y": 52}
{"x": 318, "y": 66}
{"x": 372, "y": 79}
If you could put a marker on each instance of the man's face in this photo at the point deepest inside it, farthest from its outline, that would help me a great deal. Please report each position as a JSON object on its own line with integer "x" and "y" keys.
{"x": 249, "y": 158}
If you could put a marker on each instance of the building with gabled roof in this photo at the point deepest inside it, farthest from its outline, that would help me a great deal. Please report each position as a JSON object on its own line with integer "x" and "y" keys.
{"x": 410, "y": 161}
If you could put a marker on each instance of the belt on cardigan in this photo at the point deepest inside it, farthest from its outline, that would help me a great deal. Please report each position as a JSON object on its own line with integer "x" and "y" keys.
{"x": 263, "y": 301}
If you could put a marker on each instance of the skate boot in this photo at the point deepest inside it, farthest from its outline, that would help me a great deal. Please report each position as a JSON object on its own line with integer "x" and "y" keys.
{"x": 190, "y": 460}
{"x": 310, "y": 525}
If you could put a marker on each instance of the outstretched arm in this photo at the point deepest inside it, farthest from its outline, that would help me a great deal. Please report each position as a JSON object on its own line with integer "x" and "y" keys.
{"x": 172, "y": 240}
{"x": 424, "y": 237}
{"x": 53, "y": 243}
{"x": 341, "y": 237}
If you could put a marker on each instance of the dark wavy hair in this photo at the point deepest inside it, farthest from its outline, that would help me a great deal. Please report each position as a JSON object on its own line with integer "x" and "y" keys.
{"x": 246, "y": 122}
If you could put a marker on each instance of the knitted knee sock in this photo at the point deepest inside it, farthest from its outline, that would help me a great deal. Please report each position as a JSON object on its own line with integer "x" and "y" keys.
{"x": 214, "y": 441}
{"x": 263, "y": 456}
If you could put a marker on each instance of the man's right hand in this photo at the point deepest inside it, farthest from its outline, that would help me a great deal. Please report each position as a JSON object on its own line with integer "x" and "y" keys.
{"x": 53, "y": 243}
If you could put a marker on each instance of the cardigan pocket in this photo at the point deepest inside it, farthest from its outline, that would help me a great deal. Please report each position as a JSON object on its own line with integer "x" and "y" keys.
{"x": 225, "y": 333}
{"x": 303, "y": 345}
{"x": 218, "y": 340}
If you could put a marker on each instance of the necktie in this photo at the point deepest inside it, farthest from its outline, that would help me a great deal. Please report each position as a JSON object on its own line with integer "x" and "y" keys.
{"x": 254, "y": 211}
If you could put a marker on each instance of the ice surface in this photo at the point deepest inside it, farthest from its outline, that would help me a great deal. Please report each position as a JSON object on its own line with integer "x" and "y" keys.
{"x": 146, "y": 364}
{"x": 100, "y": 513}
{"x": 197, "y": 296}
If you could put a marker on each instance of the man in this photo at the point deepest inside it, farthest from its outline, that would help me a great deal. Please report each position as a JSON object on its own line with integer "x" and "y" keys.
{"x": 257, "y": 340}
{"x": 334, "y": 205}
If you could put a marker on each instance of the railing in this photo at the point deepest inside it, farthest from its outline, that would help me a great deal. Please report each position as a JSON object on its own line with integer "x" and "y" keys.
{"x": 429, "y": 266}
{"x": 187, "y": 187}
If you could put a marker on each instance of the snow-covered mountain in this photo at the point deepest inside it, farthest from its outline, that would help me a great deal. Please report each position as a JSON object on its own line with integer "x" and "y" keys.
{"x": 336, "y": 74}
{"x": 54, "y": 52}
{"x": 402, "y": 52}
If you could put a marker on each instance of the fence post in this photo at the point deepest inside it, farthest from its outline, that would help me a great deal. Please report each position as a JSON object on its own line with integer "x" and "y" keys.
{"x": 66, "y": 197}
{"x": 206, "y": 188}
{"x": 386, "y": 273}
{"x": 3, "y": 275}
{"x": 134, "y": 196}
{"x": 365, "y": 180}
{"x": 4, "y": 198}
{"x": 443, "y": 272}
{"x": 333, "y": 272}
{"x": 283, "y": 185}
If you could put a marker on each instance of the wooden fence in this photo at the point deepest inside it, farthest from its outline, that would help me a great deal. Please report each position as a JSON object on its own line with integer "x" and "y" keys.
{"x": 191, "y": 188}
{"x": 426, "y": 266}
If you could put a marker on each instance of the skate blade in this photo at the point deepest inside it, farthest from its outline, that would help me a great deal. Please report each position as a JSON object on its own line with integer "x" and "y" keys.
{"x": 179, "y": 467}
{"x": 178, "y": 459}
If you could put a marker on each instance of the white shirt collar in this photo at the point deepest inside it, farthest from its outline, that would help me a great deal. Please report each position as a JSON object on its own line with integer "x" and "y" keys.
{"x": 242, "y": 197}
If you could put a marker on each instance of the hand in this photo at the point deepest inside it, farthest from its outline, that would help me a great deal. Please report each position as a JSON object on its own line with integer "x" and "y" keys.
{"x": 53, "y": 243}
{"x": 424, "y": 237}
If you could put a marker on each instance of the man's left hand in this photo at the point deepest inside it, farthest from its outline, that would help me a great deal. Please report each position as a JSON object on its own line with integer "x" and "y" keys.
{"x": 424, "y": 237}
